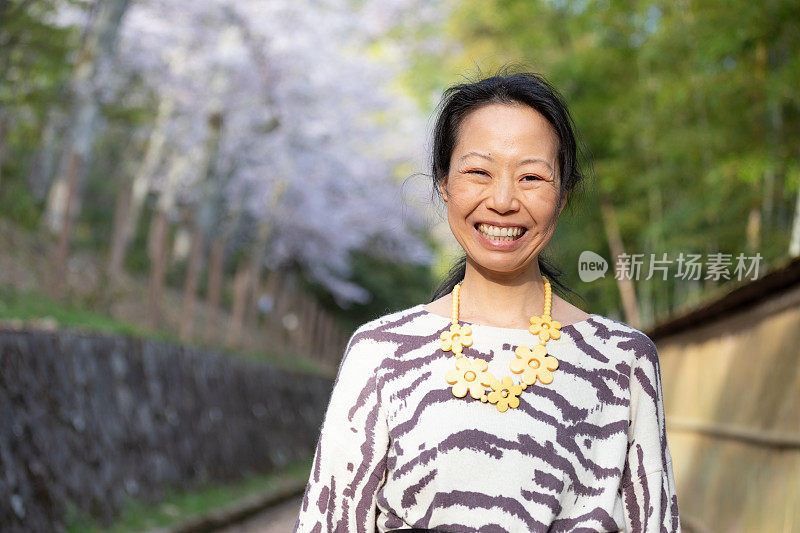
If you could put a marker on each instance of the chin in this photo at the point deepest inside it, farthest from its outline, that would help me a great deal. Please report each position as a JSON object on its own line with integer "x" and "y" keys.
{"x": 499, "y": 267}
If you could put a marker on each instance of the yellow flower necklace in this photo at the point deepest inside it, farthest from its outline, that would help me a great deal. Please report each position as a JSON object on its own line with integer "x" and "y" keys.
{"x": 470, "y": 374}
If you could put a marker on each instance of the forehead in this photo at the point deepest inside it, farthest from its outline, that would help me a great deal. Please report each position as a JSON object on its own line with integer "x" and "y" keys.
{"x": 507, "y": 131}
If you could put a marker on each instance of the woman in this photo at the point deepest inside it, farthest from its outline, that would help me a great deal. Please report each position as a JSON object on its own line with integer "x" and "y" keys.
{"x": 497, "y": 406}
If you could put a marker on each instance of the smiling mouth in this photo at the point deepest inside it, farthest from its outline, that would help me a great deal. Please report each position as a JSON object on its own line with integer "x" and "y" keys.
{"x": 494, "y": 233}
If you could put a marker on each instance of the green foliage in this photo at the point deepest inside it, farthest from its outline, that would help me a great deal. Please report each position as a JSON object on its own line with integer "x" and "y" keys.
{"x": 33, "y": 71}
{"x": 18, "y": 205}
{"x": 689, "y": 109}
{"x": 393, "y": 286}
{"x": 138, "y": 261}
{"x": 33, "y": 65}
{"x": 15, "y": 305}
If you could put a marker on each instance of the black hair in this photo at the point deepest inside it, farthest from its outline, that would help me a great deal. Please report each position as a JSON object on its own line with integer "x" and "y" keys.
{"x": 506, "y": 87}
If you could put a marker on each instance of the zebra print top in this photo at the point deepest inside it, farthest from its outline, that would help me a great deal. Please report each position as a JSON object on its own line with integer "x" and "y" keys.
{"x": 587, "y": 452}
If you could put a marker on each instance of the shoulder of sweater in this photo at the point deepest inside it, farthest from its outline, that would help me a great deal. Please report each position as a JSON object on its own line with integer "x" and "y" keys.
{"x": 382, "y": 326}
{"x": 371, "y": 342}
{"x": 388, "y": 321}
{"x": 625, "y": 336}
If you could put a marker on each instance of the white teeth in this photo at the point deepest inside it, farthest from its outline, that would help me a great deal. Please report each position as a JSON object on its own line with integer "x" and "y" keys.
{"x": 501, "y": 234}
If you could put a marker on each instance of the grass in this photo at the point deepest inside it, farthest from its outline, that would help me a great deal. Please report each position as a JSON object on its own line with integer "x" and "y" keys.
{"x": 32, "y": 306}
{"x": 37, "y": 308}
{"x": 288, "y": 362}
{"x": 179, "y": 506}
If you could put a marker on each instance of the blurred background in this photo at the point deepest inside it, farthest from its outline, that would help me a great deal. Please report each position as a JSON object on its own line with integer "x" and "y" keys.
{"x": 200, "y": 201}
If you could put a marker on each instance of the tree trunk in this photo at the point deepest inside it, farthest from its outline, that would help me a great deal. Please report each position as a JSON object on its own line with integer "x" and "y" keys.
{"x": 98, "y": 45}
{"x": 306, "y": 319}
{"x": 242, "y": 315}
{"x": 315, "y": 348}
{"x": 794, "y": 240}
{"x": 753, "y": 230}
{"x": 202, "y": 225}
{"x": 157, "y": 248}
{"x": 283, "y": 289}
{"x": 213, "y": 298}
{"x": 251, "y": 313}
{"x": 260, "y": 250}
{"x": 191, "y": 284}
{"x": 322, "y": 336}
{"x": 276, "y": 286}
{"x": 137, "y": 192}
{"x": 157, "y": 241}
{"x": 627, "y": 291}
{"x": 771, "y": 176}
{"x": 43, "y": 169}
{"x": 121, "y": 213}
{"x": 255, "y": 270}
{"x": 60, "y": 272}
{"x": 240, "y": 288}
{"x": 2, "y": 145}
{"x": 330, "y": 333}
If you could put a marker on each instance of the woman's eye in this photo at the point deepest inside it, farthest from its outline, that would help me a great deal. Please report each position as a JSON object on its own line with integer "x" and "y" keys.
{"x": 534, "y": 178}
{"x": 477, "y": 172}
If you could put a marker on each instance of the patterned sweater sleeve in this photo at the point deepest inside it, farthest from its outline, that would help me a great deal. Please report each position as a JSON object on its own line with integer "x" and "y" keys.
{"x": 350, "y": 459}
{"x": 648, "y": 484}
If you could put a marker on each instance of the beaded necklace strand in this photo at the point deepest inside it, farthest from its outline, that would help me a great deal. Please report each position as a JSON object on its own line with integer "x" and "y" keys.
{"x": 470, "y": 374}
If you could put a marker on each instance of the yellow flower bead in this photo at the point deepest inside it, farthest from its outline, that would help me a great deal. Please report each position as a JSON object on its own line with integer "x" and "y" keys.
{"x": 505, "y": 394}
{"x": 534, "y": 363}
{"x": 546, "y": 328}
{"x": 456, "y": 338}
{"x": 469, "y": 375}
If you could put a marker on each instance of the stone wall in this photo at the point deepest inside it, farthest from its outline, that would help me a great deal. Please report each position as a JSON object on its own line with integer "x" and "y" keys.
{"x": 92, "y": 419}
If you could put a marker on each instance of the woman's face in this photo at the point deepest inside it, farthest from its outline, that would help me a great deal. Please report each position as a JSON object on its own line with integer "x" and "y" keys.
{"x": 502, "y": 190}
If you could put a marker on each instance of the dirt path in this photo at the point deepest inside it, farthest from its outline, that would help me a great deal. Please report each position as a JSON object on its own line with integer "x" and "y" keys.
{"x": 279, "y": 519}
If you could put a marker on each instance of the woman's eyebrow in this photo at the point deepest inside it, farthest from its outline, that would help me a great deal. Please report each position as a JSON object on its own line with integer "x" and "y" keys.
{"x": 523, "y": 162}
{"x": 535, "y": 160}
{"x": 479, "y": 154}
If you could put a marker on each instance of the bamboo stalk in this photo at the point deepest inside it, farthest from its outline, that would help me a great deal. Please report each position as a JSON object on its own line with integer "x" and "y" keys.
{"x": 755, "y": 437}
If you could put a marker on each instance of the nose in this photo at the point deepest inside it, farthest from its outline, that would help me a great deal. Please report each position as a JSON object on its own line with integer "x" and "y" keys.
{"x": 503, "y": 196}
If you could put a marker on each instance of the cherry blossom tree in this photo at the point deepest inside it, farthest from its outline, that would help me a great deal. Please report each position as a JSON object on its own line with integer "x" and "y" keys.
{"x": 262, "y": 118}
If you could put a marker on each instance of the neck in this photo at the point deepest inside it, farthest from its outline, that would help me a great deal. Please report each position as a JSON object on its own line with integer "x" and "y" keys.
{"x": 505, "y": 300}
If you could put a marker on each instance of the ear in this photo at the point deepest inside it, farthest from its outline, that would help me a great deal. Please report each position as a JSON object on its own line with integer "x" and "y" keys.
{"x": 563, "y": 202}
{"x": 443, "y": 189}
